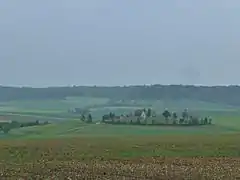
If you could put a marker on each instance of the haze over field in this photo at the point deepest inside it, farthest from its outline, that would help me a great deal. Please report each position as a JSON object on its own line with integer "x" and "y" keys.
{"x": 110, "y": 42}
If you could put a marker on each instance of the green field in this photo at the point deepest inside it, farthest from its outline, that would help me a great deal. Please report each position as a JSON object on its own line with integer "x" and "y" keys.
{"x": 226, "y": 119}
{"x": 67, "y": 140}
{"x": 187, "y": 141}
{"x": 57, "y": 109}
{"x": 74, "y": 128}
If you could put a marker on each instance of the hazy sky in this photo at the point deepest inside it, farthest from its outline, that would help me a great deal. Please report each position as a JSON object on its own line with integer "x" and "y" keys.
{"x": 116, "y": 42}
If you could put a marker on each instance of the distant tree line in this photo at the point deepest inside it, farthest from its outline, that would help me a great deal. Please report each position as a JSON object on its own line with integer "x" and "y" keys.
{"x": 217, "y": 94}
{"x": 148, "y": 117}
{"x": 6, "y": 127}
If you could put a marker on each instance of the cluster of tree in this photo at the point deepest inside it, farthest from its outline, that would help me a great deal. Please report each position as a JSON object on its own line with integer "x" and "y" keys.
{"x": 217, "y": 94}
{"x": 6, "y": 127}
{"x": 110, "y": 117}
{"x": 143, "y": 116}
{"x": 185, "y": 118}
{"x": 88, "y": 119}
{"x": 137, "y": 113}
{"x": 148, "y": 112}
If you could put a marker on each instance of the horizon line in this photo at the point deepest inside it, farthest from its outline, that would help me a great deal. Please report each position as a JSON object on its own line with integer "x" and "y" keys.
{"x": 112, "y": 86}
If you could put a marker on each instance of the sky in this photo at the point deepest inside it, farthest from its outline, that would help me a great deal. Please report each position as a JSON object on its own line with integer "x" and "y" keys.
{"x": 119, "y": 42}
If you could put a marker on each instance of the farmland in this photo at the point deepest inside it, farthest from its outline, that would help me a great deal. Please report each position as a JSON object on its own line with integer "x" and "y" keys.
{"x": 70, "y": 148}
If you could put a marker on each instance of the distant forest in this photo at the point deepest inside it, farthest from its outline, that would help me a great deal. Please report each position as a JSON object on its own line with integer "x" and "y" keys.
{"x": 217, "y": 94}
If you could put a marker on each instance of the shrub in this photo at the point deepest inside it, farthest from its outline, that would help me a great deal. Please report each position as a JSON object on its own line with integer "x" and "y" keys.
{"x": 6, "y": 129}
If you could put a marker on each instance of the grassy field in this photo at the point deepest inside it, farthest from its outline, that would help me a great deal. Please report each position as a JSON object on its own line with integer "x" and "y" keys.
{"x": 100, "y": 106}
{"x": 71, "y": 149}
{"x": 152, "y": 156}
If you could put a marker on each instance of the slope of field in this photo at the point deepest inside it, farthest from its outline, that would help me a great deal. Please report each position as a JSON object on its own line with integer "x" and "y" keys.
{"x": 53, "y": 110}
{"x": 71, "y": 149}
{"x": 51, "y": 105}
{"x": 161, "y": 156}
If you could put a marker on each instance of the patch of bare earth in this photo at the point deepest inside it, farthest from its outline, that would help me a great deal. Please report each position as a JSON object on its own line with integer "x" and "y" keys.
{"x": 144, "y": 168}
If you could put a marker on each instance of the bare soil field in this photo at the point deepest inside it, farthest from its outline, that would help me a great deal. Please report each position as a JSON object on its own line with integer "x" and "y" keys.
{"x": 144, "y": 168}
{"x": 135, "y": 157}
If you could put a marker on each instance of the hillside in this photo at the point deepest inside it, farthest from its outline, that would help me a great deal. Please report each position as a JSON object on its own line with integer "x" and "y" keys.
{"x": 215, "y": 94}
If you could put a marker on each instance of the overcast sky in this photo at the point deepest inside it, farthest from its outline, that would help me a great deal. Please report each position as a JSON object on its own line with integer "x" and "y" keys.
{"x": 117, "y": 42}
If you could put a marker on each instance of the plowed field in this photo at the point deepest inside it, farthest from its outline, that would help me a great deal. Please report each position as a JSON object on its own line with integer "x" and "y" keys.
{"x": 146, "y": 168}
{"x": 152, "y": 157}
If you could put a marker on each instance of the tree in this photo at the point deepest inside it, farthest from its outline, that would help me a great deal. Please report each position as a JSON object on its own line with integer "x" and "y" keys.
{"x": 185, "y": 114}
{"x": 174, "y": 116}
{"x": 210, "y": 120}
{"x": 89, "y": 118}
{"x": 166, "y": 114}
{"x": 104, "y": 117}
{"x": 112, "y": 116}
{"x": 181, "y": 121}
{"x": 83, "y": 117}
{"x": 149, "y": 112}
{"x": 205, "y": 120}
{"x": 138, "y": 112}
